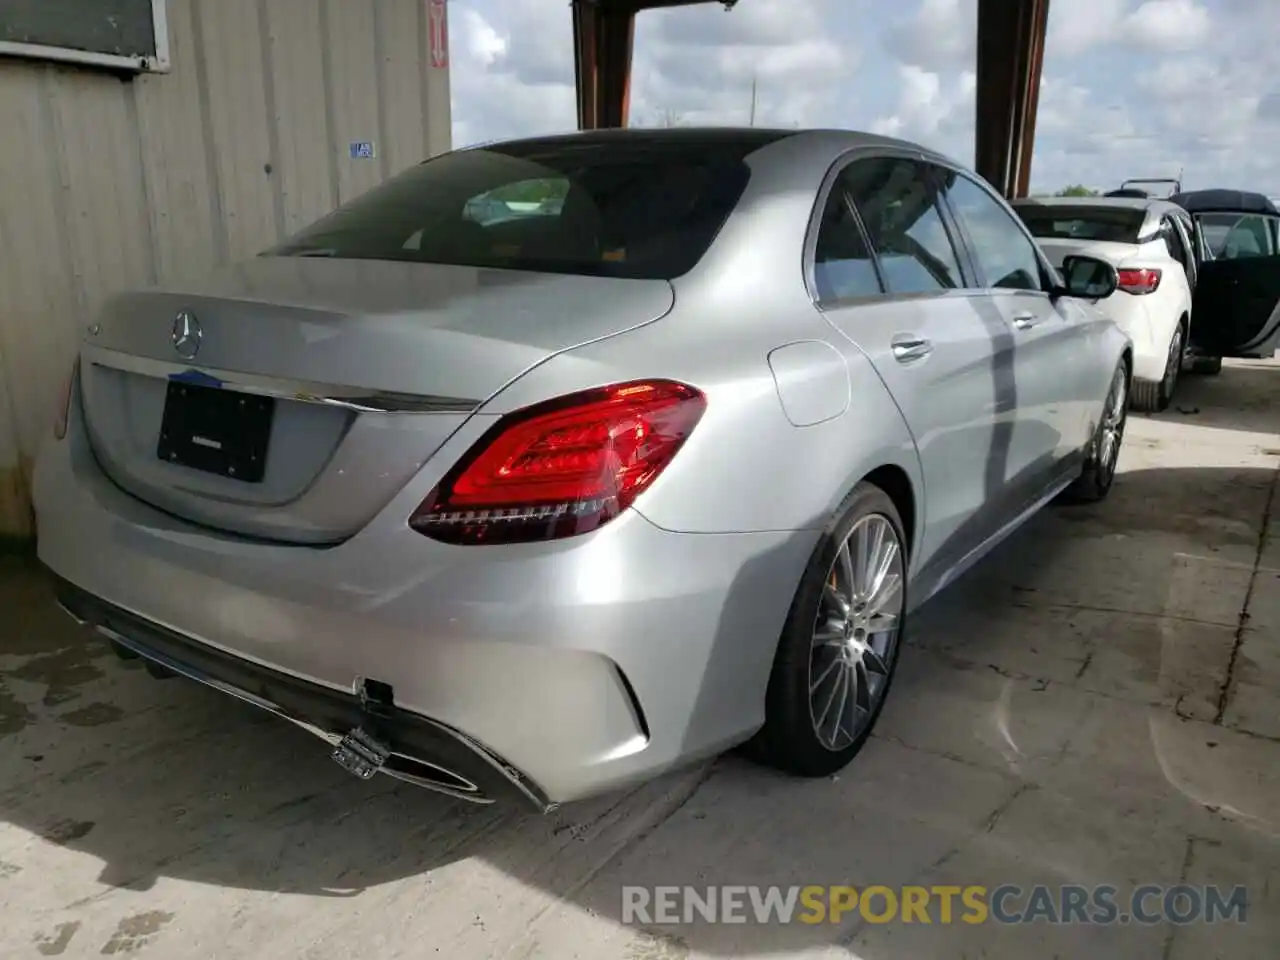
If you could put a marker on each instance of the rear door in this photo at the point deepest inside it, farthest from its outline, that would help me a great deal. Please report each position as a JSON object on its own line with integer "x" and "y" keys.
{"x": 947, "y": 363}
{"x": 1049, "y": 347}
{"x": 1236, "y": 306}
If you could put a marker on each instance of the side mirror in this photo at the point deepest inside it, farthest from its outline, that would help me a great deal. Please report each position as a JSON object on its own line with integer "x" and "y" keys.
{"x": 1088, "y": 278}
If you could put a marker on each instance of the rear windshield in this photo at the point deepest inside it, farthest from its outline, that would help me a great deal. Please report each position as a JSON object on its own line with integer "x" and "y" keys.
{"x": 626, "y": 208}
{"x": 1111, "y": 224}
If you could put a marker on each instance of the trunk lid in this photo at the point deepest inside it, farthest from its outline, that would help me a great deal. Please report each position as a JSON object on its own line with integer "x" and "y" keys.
{"x": 370, "y": 367}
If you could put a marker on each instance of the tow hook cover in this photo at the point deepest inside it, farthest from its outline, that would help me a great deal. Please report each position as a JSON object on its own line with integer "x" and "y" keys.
{"x": 360, "y": 754}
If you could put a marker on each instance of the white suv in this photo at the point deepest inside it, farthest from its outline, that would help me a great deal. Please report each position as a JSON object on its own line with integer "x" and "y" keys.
{"x": 1149, "y": 243}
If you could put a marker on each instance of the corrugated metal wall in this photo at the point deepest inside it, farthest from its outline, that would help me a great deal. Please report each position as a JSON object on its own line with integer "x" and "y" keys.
{"x": 106, "y": 184}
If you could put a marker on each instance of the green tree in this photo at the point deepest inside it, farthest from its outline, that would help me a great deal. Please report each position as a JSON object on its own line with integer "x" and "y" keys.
{"x": 1077, "y": 190}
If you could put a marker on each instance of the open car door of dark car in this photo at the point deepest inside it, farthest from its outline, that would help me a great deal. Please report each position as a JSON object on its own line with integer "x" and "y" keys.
{"x": 1235, "y": 309}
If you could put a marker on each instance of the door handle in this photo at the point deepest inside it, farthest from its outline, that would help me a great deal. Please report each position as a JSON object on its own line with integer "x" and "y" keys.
{"x": 1025, "y": 321}
{"x": 907, "y": 349}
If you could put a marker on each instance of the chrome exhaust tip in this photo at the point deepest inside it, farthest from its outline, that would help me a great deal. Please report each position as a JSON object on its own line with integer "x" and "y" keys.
{"x": 363, "y": 755}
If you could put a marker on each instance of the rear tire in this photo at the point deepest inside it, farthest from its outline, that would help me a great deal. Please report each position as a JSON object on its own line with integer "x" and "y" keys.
{"x": 1153, "y": 397}
{"x": 1145, "y": 396}
{"x": 1099, "y": 472}
{"x": 839, "y": 646}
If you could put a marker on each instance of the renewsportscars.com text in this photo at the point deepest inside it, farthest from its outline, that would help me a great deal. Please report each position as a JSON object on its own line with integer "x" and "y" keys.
{"x": 973, "y": 904}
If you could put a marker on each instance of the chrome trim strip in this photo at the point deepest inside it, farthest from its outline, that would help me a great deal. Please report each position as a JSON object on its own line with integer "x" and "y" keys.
{"x": 509, "y": 773}
{"x": 80, "y": 622}
{"x": 192, "y": 673}
{"x": 357, "y": 399}
{"x": 471, "y": 796}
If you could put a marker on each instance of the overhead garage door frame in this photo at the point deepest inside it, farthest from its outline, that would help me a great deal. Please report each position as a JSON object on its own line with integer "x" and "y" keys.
{"x": 157, "y": 63}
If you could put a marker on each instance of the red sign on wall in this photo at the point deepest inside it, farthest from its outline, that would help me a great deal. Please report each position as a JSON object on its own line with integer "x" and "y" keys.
{"x": 438, "y": 34}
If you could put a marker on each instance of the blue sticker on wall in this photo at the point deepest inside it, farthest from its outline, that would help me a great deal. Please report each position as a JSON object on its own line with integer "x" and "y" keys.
{"x": 363, "y": 150}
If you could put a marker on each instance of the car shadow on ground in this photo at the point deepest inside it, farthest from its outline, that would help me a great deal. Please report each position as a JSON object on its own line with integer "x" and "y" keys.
{"x": 1243, "y": 397}
{"x": 166, "y": 780}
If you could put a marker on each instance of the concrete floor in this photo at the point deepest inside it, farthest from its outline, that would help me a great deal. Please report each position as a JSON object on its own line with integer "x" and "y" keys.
{"x": 1098, "y": 703}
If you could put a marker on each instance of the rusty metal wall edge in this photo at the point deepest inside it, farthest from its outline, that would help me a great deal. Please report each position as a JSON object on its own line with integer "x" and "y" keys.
{"x": 18, "y": 546}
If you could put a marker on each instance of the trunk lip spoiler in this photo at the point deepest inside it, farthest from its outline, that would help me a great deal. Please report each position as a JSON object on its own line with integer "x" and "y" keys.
{"x": 357, "y": 399}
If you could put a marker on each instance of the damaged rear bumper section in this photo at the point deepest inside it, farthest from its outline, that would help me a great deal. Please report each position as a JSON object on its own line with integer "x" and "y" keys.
{"x": 367, "y": 733}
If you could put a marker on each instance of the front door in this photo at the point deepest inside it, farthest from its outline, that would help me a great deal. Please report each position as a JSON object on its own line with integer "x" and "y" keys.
{"x": 1050, "y": 347}
{"x": 947, "y": 363}
{"x": 1236, "y": 306}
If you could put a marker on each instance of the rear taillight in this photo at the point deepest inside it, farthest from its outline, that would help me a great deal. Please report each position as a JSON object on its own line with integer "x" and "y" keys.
{"x": 64, "y": 402}
{"x": 1138, "y": 282}
{"x": 563, "y": 467}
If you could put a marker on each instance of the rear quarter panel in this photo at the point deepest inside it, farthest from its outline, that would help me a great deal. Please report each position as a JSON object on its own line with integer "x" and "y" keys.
{"x": 1171, "y": 300}
{"x": 747, "y": 466}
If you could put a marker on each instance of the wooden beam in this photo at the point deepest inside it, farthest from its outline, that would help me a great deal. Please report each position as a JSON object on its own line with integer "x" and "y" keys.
{"x": 603, "y": 37}
{"x": 1011, "y": 36}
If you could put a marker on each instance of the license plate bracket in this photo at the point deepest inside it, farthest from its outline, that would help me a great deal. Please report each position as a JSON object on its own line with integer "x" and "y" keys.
{"x": 360, "y": 754}
{"x": 216, "y": 431}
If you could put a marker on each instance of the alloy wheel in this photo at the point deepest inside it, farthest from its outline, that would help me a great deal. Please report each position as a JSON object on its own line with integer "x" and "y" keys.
{"x": 1173, "y": 364}
{"x": 856, "y": 631}
{"x": 1111, "y": 430}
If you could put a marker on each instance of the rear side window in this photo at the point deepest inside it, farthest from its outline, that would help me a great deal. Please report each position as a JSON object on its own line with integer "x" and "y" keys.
{"x": 842, "y": 264}
{"x": 625, "y": 208}
{"x": 1109, "y": 224}
{"x": 899, "y": 209}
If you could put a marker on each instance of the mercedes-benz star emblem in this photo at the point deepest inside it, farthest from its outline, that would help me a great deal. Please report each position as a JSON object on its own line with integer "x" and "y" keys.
{"x": 186, "y": 335}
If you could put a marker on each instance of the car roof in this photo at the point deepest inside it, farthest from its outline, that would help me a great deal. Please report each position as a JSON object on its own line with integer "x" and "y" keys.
{"x": 1152, "y": 204}
{"x": 1225, "y": 201}
{"x": 749, "y": 139}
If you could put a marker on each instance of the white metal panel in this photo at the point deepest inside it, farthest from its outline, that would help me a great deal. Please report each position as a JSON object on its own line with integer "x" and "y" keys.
{"x": 228, "y": 35}
{"x": 106, "y": 185}
{"x": 37, "y": 282}
{"x": 307, "y": 169}
{"x": 100, "y": 164}
{"x": 403, "y": 100}
{"x": 353, "y": 90}
{"x": 181, "y": 195}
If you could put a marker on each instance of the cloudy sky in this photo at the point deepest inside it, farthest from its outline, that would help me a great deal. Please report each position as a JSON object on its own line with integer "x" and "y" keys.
{"x": 1131, "y": 88}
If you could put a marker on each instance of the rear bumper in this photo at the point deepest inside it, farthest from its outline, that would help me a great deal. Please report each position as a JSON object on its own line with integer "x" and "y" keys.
{"x": 420, "y": 750}
{"x": 1151, "y": 339}
{"x": 585, "y": 665}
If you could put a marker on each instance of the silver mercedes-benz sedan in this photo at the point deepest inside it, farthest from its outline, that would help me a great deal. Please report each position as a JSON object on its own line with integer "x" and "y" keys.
{"x": 544, "y": 502}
